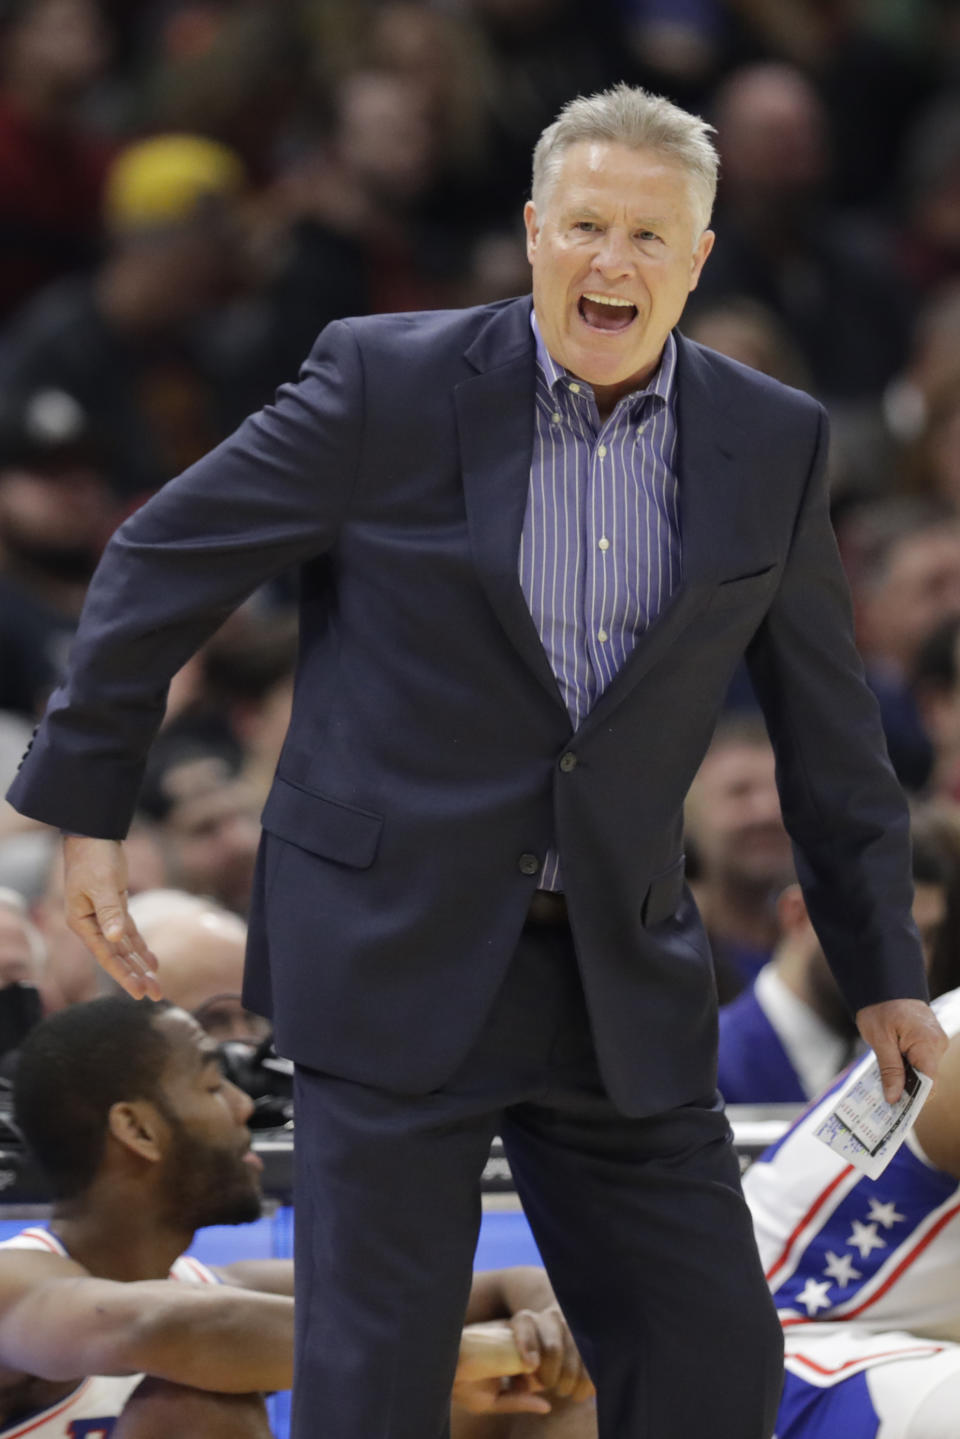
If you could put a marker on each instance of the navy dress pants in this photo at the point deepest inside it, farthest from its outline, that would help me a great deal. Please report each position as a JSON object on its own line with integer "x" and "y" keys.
{"x": 640, "y": 1222}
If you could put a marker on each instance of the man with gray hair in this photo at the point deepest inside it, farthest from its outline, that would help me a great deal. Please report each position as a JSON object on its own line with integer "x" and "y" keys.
{"x": 534, "y": 542}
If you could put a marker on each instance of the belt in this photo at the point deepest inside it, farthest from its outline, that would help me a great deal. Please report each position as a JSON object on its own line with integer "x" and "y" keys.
{"x": 547, "y": 911}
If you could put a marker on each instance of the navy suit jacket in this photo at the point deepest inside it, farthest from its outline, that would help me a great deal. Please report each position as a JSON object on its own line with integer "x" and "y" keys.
{"x": 421, "y": 781}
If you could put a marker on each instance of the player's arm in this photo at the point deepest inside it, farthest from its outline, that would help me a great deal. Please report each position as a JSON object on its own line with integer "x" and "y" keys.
{"x": 937, "y": 1127}
{"x": 498, "y": 1293}
{"x": 59, "y": 1323}
{"x": 266, "y": 1276}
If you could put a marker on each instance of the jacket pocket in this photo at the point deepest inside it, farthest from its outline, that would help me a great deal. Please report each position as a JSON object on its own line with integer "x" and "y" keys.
{"x": 322, "y": 826}
{"x": 742, "y": 588}
{"x": 663, "y": 895}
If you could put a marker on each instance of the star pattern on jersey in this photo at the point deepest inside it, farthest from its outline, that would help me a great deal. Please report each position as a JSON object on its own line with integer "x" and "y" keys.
{"x": 864, "y": 1237}
{"x": 885, "y": 1214}
{"x": 840, "y": 1268}
{"x": 814, "y": 1295}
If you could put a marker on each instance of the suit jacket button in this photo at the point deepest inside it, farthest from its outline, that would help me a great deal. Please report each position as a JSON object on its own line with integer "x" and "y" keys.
{"x": 568, "y": 762}
{"x": 528, "y": 864}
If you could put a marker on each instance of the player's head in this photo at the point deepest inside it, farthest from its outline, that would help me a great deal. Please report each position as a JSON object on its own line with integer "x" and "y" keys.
{"x": 134, "y": 1092}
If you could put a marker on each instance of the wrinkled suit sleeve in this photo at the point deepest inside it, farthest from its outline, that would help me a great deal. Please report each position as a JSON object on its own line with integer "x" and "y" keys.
{"x": 272, "y": 495}
{"x": 842, "y": 805}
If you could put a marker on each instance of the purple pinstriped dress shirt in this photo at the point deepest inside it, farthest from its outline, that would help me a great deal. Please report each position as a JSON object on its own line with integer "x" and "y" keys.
{"x": 600, "y": 548}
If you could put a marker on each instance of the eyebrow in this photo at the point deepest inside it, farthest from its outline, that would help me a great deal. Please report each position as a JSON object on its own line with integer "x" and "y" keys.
{"x": 645, "y": 222}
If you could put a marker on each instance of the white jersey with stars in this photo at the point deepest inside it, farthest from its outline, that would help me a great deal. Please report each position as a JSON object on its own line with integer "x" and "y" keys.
{"x": 92, "y": 1409}
{"x": 844, "y": 1254}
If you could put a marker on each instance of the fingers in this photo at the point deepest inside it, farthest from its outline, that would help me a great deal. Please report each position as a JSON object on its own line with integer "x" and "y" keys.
{"x": 124, "y": 955}
{"x": 926, "y": 1051}
{"x": 545, "y": 1338}
{"x": 515, "y": 1401}
{"x": 891, "y": 1072}
{"x": 491, "y": 1351}
{"x": 899, "y": 1027}
{"x": 96, "y": 908}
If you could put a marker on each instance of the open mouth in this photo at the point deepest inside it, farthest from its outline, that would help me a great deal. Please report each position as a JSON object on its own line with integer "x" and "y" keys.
{"x": 606, "y": 312}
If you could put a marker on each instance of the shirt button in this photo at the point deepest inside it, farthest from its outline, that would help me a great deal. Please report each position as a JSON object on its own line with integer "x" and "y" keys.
{"x": 602, "y": 451}
{"x": 604, "y": 543}
{"x": 528, "y": 864}
{"x": 556, "y": 417}
{"x": 641, "y": 428}
{"x": 568, "y": 762}
{"x": 574, "y": 389}
{"x": 602, "y": 635}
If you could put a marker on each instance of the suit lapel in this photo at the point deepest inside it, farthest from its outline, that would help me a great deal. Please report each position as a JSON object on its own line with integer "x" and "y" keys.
{"x": 707, "y": 476}
{"x": 495, "y": 415}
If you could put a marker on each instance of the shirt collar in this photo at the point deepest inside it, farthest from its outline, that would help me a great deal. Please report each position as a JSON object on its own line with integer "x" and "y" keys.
{"x": 660, "y": 385}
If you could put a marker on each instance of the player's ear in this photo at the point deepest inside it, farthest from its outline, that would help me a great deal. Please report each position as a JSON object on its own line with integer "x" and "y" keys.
{"x": 139, "y": 1127}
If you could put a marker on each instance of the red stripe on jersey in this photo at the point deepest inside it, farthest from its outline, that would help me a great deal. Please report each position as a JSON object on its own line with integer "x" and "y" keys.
{"x": 891, "y": 1279}
{"x": 865, "y": 1358}
{"x": 48, "y": 1414}
{"x": 203, "y": 1275}
{"x": 811, "y": 1213}
{"x": 47, "y": 1240}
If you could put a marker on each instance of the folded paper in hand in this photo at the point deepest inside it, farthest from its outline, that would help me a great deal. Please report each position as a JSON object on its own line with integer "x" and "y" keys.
{"x": 862, "y": 1127}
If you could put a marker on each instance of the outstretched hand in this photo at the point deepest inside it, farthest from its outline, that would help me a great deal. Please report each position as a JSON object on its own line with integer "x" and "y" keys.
{"x": 95, "y": 887}
{"x": 898, "y": 1029}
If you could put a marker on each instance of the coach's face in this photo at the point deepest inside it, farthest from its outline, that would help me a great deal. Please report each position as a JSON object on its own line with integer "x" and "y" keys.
{"x": 615, "y": 250}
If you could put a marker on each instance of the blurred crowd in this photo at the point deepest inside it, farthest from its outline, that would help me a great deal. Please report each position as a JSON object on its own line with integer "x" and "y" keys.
{"x": 191, "y": 189}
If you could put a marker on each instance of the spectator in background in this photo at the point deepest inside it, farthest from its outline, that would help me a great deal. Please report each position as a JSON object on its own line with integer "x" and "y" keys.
{"x": 930, "y": 366}
{"x": 22, "y": 964}
{"x": 870, "y": 82}
{"x": 51, "y": 169}
{"x": 233, "y": 71}
{"x": 207, "y": 816}
{"x": 935, "y": 684}
{"x": 931, "y": 465}
{"x": 787, "y": 1036}
{"x": 743, "y": 329}
{"x": 347, "y": 218}
{"x": 57, "y": 511}
{"x": 538, "y": 54}
{"x": 903, "y": 560}
{"x": 127, "y": 341}
{"x": 741, "y": 853}
{"x": 930, "y": 238}
{"x": 201, "y": 948}
{"x": 780, "y": 243}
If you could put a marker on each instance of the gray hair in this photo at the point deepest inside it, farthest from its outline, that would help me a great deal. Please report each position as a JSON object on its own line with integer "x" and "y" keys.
{"x": 628, "y": 115}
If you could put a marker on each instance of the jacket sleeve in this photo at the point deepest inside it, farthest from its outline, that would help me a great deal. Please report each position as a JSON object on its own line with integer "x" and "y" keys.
{"x": 842, "y": 805}
{"x": 272, "y": 495}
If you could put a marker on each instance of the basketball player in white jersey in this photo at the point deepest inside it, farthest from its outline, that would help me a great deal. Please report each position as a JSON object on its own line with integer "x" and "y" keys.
{"x": 866, "y": 1273}
{"x": 144, "y": 1140}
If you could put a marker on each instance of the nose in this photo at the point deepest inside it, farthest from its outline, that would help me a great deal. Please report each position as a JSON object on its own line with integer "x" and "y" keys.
{"x": 240, "y": 1102}
{"x": 613, "y": 258}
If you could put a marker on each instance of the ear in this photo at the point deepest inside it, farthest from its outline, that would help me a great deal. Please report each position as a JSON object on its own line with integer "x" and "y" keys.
{"x": 701, "y": 250}
{"x": 532, "y": 228}
{"x": 139, "y": 1127}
